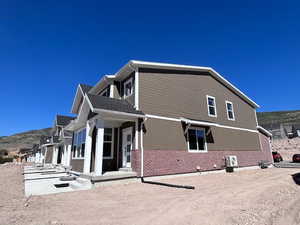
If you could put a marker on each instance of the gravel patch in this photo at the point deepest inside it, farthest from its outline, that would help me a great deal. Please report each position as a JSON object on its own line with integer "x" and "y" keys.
{"x": 261, "y": 197}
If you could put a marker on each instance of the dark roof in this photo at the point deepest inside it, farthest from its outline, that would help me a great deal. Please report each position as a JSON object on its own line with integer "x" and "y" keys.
{"x": 112, "y": 104}
{"x": 68, "y": 133}
{"x": 63, "y": 120}
{"x": 85, "y": 88}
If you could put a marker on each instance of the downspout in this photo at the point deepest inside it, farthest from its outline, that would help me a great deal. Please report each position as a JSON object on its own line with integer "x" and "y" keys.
{"x": 142, "y": 148}
{"x": 142, "y": 166}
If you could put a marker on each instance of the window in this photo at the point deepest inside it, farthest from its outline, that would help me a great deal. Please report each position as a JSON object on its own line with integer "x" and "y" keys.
{"x": 230, "y": 111}
{"x": 128, "y": 87}
{"x": 108, "y": 143}
{"x": 105, "y": 92}
{"x": 196, "y": 140}
{"x": 79, "y": 144}
{"x": 211, "y": 106}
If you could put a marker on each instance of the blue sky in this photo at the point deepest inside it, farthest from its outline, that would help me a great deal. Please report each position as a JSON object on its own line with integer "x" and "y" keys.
{"x": 48, "y": 47}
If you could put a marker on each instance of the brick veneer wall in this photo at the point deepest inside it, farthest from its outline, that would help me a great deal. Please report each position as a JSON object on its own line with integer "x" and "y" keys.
{"x": 163, "y": 162}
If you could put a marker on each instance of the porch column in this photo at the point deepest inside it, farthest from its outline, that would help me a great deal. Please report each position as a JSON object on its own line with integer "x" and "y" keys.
{"x": 54, "y": 155}
{"x": 87, "y": 150}
{"x": 68, "y": 154}
{"x": 99, "y": 151}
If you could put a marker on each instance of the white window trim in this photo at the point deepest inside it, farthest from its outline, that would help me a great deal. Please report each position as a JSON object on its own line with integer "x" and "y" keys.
{"x": 112, "y": 144}
{"x": 228, "y": 102}
{"x": 205, "y": 143}
{"x": 130, "y": 80}
{"x": 76, "y": 157}
{"x": 104, "y": 91}
{"x": 215, "y": 106}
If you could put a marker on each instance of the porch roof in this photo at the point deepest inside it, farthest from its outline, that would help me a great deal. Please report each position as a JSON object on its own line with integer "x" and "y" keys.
{"x": 105, "y": 104}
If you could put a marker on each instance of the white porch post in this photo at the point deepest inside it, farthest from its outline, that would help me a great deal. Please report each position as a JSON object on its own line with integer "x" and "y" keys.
{"x": 68, "y": 154}
{"x": 99, "y": 151}
{"x": 88, "y": 148}
{"x": 54, "y": 155}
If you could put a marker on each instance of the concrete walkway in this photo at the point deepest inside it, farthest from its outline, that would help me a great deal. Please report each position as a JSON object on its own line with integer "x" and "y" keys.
{"x": 44, "y": 180}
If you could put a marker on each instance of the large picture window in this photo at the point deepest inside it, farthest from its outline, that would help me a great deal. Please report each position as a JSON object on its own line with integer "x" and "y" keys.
{"x": 108, "y": 143}
{"x": 197, "y": 140}
{"x": 79, "y": 144}
{"x": 211, "y": 106}
{"x": 230, "y": 111}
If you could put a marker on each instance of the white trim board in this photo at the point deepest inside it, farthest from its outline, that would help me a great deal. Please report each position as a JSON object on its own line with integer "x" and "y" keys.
{"x": 198, "y": 122}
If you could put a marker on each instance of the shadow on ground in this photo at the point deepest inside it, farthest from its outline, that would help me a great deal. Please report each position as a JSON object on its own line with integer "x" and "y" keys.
{"x": 296, "y": 178}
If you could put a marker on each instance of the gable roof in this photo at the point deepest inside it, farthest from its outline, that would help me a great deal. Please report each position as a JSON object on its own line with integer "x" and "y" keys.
{"x": 80, "y": 92}
{"x": 102, "y": 103}
{"x": 85, "y": 88}
{"x": 135, "y": 64}
{"x": 63, "y": 120}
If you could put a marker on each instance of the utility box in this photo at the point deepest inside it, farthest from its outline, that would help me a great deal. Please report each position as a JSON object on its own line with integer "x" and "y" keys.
{"x": 231, "y": 162}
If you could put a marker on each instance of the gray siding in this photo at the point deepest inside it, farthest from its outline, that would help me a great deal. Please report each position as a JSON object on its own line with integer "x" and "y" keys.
{"x": 49, "y": 154}
{"x": 184, "y": 95}
{"x": 77, "y": 165}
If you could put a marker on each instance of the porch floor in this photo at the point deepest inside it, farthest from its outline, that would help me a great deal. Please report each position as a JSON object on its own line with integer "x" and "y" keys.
{"x": 110, "y": 175}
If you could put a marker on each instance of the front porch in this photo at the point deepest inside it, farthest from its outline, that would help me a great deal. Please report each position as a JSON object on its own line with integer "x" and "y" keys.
{"x": 104, "y": 139}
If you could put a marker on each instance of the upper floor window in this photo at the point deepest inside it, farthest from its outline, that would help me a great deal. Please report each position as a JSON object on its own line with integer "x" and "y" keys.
{"x": 197, "y": 140}
{"x": 128, "y": 87}
{"x": 105, "y": 92}
{"x": 230, "y": 111}
{"x": 79, "y": 143}
{"x": 211, "y": 106}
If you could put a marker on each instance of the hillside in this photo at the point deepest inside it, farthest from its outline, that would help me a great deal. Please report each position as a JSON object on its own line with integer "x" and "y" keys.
{"x": 278, "y": 117}
{"x": 23, "y": 140}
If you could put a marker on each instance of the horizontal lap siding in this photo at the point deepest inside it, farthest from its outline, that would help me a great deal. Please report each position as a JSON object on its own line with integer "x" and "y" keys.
{"x": 169, "y": 135}
{"x": 49, "y": 154}
{"x": 184, "y": 95}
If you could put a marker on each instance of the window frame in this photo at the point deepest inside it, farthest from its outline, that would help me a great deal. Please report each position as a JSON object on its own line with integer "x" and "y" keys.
{"x": 232, "y": 110}
{"x": 215, "y": 106}
{"x": 105, "y": 90}
{"x": 188, "y": 141}
{"x": 75, "y": 155}
{"x": 112, "y": 144}
{"x": 130, "y": 80}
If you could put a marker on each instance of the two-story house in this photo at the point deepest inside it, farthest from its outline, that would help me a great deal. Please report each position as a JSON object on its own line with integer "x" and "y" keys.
{"x": 158, "y": 118}
{"x": 62, "y": 149}
{"x": 47, "y": 144}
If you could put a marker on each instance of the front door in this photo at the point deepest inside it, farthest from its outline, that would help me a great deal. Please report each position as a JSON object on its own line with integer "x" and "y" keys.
{"x": 127, "y": 146}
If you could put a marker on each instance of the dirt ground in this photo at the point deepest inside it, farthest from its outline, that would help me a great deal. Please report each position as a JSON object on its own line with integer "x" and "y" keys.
{"x": 261, "y": 197}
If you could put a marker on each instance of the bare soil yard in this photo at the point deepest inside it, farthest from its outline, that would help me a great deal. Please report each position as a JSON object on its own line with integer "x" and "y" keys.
{"x": 247, "y": 197}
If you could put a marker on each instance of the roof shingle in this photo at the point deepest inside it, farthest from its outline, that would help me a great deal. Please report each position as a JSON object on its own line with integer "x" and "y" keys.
{"x": 112, "y": 104}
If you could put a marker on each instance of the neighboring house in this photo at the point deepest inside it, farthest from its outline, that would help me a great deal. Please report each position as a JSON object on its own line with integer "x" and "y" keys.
{"x": 283, "y": 130}
{"x": 47, "y": 144}
{"x": 24, "y": 154}
{"x": 157, "y": 119}
{"x": 62, "y": 149}
{"x": 37, "y": 155}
